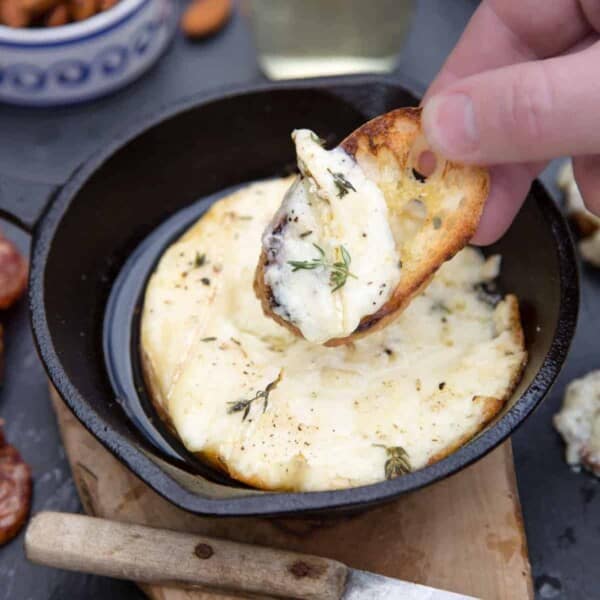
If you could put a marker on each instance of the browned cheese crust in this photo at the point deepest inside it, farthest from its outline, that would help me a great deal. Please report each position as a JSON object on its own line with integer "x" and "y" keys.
{"x": 493, "y": 406}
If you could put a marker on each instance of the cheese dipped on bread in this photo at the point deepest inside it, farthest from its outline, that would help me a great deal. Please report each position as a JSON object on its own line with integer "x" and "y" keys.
{"x": 360, "y": 231}
{"x": 336, "y": 218}
{"x": 280, "y": 413}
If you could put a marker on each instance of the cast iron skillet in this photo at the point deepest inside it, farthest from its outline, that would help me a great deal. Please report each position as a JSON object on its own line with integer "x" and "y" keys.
{"x": 166, "y": 163}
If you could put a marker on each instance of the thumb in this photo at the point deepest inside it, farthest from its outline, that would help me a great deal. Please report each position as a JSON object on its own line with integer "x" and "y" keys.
{"x": 526, "y": 112}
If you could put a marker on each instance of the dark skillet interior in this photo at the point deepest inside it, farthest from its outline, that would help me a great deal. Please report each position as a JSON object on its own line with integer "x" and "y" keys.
{"x": 119, "y": 199}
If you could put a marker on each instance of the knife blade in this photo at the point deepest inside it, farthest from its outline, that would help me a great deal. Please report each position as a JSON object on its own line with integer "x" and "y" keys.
{"x": 362, "y": 585}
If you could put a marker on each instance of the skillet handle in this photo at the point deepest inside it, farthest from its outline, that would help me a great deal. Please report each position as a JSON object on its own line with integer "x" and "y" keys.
{"x": 175, "y": 559}
{"x": 23, "y": 202}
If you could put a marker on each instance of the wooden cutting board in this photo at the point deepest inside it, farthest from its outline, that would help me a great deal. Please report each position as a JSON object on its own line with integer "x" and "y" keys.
{"x": 463, "y": 534}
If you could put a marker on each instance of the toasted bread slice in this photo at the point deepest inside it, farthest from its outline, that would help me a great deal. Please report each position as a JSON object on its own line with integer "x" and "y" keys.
{"x": 431, "y": 217}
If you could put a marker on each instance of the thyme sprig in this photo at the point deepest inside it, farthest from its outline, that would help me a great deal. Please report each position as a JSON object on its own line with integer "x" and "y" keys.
{"x": 244, "y": 405}
{"x": 309, "y": 265}
{"x": 341, "y": 183}
{"x": 339, "y": 270}
{"x": 397, "y": 462}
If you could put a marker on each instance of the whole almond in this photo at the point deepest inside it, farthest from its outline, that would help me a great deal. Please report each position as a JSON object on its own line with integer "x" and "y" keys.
{"x": 58, "y": 16}
{"x": 205, "y": 17}
{"x": 81, "y": 9}
{"x": 106, "y": 4}
{"x": 35, "y": 8}
{"x": 13, "y": 14}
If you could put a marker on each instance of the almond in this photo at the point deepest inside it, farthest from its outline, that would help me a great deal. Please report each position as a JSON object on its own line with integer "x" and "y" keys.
{"x": 35, "y": 8}
{"x": 205, "y": 17}
{"x": 81, "y": 9}
{"x": 106, "y": 4}
{"x": 58, "y": 16}
{"x": 13, "y": 14}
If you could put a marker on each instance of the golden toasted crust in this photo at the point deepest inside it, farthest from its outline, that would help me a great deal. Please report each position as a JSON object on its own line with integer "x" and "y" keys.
{"x": 491, "y": 407}
{"x": 151, "y": 382}
{"x": 214, "y": 460}
{"x": 392, "y": 144}
{"x": 265, "y": 295}
{"x": 513, "y": 321}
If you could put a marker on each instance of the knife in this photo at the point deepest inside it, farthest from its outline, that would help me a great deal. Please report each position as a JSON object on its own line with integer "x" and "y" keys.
{"x": 176, "y": 559}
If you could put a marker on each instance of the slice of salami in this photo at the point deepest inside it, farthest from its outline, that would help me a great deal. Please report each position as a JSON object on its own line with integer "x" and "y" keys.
{"x": 13, "y": 273}
{"x": 15, "y": 490}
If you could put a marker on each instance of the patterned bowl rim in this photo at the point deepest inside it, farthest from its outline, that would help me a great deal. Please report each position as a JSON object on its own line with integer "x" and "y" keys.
{"x": 95, "y": 26}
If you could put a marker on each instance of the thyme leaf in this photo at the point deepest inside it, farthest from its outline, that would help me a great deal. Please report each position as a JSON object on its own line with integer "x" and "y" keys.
{"x": 309, "y": 264}
{"x": 397, "y": 462}
{"x": 341, "y": 183}
{"x": 437, "y": 222}
{"x": 244, "y": 406}
{"x": 339, "y": 270}
{"x": 306, "y": 233}
{"x": 200, "y": 260}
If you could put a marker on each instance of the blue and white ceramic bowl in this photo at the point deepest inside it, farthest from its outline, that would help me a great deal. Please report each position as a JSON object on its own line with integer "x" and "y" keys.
{"x": 84, "y": 60}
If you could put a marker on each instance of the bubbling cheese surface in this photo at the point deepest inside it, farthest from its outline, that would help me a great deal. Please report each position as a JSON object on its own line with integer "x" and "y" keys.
{"x": 278, "y": 412}
{"x": 332, "y": 214}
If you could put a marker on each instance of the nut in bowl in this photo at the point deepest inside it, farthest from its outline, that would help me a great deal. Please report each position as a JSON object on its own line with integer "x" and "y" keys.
{"x": 102, "y": 49}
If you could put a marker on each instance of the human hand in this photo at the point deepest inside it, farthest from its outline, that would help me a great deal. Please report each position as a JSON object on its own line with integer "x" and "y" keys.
{"x": 521, "y": 87}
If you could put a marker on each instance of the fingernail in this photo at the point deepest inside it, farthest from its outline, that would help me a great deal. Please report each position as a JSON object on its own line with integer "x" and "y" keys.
{"x": 449, "y": 125}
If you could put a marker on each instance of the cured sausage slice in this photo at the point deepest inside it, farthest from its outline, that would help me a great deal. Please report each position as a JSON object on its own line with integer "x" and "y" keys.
{"x": 15, "y": 490}
{"x": 13, "y": 273}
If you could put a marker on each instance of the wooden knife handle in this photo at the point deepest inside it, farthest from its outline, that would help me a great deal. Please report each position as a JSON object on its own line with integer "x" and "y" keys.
{"x": 148, "y": 555}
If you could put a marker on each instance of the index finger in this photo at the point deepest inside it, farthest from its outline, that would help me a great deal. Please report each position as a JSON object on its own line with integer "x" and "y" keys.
{"x": 502, "y": 33}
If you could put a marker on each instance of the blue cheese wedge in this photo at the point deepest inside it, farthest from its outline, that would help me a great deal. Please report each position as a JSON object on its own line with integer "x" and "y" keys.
{"x": 281, "y": 413}
{"x": 332, "y": 258}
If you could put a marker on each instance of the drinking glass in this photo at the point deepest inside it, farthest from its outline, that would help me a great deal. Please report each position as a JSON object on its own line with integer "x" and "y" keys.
{"x": 310, "y": 38}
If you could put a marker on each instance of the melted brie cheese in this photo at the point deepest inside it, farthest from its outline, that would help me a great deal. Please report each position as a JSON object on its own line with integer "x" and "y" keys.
{"x": 279, "y": 412}
{"x": 332, "y": 214}
{"x": 589, "y": 245}
{"x": 579, "y": 422}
